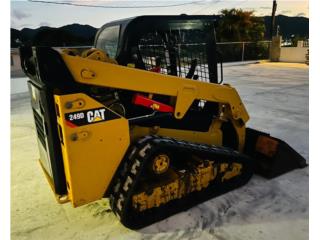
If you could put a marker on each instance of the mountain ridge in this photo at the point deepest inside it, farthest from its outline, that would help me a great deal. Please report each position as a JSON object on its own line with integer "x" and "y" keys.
{"x": 78, "y": 34}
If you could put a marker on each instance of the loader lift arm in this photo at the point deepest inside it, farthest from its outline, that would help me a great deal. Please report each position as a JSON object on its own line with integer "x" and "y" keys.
{"x": 186, "y": 91}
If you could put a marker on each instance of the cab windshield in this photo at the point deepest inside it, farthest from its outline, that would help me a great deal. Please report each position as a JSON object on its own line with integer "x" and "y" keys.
{"x": 108, "y": 40}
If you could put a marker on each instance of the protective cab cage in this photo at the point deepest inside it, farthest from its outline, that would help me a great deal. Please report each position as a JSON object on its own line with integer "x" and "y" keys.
{"x": 183, "y": 46}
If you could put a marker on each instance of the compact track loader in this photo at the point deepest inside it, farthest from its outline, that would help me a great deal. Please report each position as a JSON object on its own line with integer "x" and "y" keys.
{"x": 144, "y": 119}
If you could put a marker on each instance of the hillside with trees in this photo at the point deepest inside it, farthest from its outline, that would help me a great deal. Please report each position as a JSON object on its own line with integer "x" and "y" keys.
{"x": 235, "y": 25}
{"x": 298, "y": 26}
{"x": 69, "y": 35}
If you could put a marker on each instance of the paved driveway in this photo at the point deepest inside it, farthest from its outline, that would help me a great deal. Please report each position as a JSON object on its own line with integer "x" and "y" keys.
{"x": 276, "y": 96}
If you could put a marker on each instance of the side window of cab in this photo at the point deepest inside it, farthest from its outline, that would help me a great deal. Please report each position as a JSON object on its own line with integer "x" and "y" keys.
{"x": 108, "y": 40}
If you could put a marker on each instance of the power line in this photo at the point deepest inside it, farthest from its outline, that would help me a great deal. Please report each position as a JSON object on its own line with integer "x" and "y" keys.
{"x": 211, "y": 4}
{"x": 110, "y": 6}
{"x": 207, "y": 5}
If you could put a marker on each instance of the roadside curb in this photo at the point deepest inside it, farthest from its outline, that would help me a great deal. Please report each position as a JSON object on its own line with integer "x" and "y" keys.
{"x": 231, "y": 64}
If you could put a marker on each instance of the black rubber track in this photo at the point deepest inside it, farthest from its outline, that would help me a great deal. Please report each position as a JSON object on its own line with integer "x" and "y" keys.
{"x": 135, "y": 166}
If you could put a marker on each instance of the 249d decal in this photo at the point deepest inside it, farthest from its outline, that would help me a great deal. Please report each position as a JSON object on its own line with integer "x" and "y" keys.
{"x": 86, "y": 117}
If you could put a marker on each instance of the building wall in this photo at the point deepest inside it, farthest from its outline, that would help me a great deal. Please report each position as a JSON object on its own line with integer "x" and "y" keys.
{"x": 294, "y": 54}
{"x": 15, "y": 60}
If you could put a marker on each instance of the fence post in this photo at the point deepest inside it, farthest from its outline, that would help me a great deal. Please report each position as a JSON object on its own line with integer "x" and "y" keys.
{"x": 275, "y": 49}
{"x": 242, "y": 51}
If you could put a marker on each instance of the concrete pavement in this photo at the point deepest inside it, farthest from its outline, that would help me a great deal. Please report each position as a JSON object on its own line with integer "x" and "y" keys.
{"x": 276, "y": 97}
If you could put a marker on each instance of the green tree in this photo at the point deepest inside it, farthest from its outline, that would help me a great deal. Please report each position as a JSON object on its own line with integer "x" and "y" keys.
{"x": 240, "y": 25}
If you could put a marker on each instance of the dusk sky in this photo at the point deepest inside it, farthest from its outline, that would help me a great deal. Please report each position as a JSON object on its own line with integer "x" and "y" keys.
{"x": 29, "y": 14}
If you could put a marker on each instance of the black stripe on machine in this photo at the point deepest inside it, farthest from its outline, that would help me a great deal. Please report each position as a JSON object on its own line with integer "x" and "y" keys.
{"x": 90, "y": 116}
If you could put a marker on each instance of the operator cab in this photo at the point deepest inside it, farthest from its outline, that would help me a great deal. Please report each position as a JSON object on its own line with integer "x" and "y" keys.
{"x": 183, "y": 46}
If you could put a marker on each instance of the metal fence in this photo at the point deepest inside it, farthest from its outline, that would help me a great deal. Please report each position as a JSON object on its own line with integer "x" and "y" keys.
{"x": 299, "y": 43}
{"x": 235, "y": 51}
{"x": 230, "y": 51}
{"x": 305, "y": 43}
{"x": 244, "y": 51}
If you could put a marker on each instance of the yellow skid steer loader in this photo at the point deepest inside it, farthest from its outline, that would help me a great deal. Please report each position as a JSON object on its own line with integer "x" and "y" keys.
{"x": 144, "y": 119}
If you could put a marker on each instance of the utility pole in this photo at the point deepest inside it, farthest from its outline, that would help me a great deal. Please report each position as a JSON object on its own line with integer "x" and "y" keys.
{"x": 275, "y": 47}
{"x": 273, "y": 18}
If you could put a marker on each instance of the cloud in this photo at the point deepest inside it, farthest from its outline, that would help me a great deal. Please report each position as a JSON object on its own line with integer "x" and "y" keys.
{"x": 265, "y": 7}
{"x": 248, "y": 9}
{"x": 46, "y": 24}
{"x": 13, "y": 24}
{"x": 17, "y": 14}
{"x": 301, "y": 14}
{"x": 285, "y": 12}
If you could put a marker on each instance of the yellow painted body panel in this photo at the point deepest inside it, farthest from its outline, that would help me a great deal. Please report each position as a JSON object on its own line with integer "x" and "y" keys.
{"x": 60, "y": 198}
{"x": 91, "y": 153}
{"x": 105, "y": 74}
